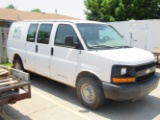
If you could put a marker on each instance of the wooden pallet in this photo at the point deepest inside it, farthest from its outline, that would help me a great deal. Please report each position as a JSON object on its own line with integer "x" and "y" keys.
{"x": 14, "y": 85}
{"x": 3, "y": 73}
{"x": 5, "y": 78}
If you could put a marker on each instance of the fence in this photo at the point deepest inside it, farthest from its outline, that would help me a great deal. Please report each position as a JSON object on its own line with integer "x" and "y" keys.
{"x": 3, "y": 45}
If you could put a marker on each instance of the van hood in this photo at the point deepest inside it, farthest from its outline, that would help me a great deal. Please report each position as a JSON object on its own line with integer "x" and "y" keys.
{"x": 127, "y": 56}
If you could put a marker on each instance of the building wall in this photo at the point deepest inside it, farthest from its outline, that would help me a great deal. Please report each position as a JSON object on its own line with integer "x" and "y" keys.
{"x": 4, "y": 27}
{"x": 4, "y": 24}
{"x": 3, "y": 44}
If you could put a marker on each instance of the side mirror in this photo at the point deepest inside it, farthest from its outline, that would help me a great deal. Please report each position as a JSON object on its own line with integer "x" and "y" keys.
{"x": 31, "y": 39}
{"x": 70, "y": 42}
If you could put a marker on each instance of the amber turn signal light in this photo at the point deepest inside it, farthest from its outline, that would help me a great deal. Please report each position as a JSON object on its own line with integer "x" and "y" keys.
{"x": 123, "y": 80}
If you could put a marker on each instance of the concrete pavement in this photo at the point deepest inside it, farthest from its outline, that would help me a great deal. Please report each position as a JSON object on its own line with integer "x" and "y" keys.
{"x": 55, "y": 101}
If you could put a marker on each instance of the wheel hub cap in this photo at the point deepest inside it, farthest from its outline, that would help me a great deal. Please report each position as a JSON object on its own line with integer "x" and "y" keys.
{"x": 88, "y": 93}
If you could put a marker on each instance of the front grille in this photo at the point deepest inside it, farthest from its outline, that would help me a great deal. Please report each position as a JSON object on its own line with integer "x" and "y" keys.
{"x": 145, "y": 66}
{"x": 145, "y": 77}
{"x": 142, "y": 68}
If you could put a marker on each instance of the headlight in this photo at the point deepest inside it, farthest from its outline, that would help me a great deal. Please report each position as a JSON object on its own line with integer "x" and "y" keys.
{"x": 123, "y": 71}
{"x": 123, "y": 74}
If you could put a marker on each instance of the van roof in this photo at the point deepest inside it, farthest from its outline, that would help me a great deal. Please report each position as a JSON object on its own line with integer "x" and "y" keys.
{"x": 55, "y": 20}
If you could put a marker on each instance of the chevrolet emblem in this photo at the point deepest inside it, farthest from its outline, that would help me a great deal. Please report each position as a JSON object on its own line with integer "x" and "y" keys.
{"x": 148, "y": 71}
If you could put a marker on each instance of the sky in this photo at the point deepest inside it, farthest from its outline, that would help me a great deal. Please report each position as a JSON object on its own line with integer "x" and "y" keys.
{"x": 73, "y": 8}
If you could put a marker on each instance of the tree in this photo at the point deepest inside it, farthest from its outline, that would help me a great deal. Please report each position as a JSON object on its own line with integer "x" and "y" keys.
{"x": 36, "y": 10}
{"x": 10, "y": 6}
{"x": 119, "y": 10}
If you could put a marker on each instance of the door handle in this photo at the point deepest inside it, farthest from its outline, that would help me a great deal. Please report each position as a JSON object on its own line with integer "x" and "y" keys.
{"x": 36, "y": 48}
{"x": 52, "y": 50}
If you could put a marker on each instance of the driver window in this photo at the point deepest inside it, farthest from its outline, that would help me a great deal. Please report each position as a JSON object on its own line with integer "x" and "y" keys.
{"x": 63, "y": 31}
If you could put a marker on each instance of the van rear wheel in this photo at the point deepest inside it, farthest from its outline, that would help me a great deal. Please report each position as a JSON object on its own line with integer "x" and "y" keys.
{"x": 18, "y": 64}
{"x": 90, "y": 92}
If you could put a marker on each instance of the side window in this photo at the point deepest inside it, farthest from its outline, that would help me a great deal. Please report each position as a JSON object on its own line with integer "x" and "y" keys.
{"x": 44, "y": 33}
{"x": 62, "y": 32}
{"x": 32, "y": 32}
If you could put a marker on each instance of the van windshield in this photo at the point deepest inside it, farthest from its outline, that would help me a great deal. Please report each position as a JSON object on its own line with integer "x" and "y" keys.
{"x": 100, "y": 36}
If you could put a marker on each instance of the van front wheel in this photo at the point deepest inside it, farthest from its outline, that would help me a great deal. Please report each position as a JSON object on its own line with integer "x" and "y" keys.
{"x": 18, "y": 64}
{"x": 90, "y": 92}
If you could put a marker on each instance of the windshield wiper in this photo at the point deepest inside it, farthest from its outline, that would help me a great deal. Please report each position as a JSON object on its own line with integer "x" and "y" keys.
{"x": 124, "y": 46}
{"x": 104, "y": 46}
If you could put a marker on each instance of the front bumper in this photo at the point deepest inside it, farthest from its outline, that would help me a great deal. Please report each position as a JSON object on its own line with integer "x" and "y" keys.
{"x": 132, "y": 91}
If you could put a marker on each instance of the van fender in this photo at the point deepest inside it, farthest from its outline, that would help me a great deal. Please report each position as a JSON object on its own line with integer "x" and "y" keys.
{"x": 16, "y": 56}
{"x": 86, "y": 72}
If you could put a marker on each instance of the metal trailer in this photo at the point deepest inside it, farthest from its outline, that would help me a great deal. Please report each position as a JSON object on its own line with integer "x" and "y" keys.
{"x": 14, "y": 86}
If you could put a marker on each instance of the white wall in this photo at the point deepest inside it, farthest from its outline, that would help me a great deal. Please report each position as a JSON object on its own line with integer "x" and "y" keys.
{"x": 152, "y": 30}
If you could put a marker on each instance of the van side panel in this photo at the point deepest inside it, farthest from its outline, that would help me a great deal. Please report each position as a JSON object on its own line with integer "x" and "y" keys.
{"x": 16, "y": 41}
{"x": 96, "y": 64}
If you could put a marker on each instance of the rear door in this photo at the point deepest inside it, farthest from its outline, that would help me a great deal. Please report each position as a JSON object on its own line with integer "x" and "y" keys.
{"x": 43, "y": 50}
{"x": 30, "y": 47}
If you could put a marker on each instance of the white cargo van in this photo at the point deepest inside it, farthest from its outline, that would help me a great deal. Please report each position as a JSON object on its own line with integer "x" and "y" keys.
{"x": 90, "y": 56}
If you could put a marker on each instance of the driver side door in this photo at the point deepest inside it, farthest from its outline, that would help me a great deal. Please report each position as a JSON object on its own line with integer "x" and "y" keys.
{"x": 64, "y": 59}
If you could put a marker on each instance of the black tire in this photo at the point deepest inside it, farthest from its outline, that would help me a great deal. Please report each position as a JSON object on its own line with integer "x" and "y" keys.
{"x": 90, "y": 92}
{"x": 17, "y": 64}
